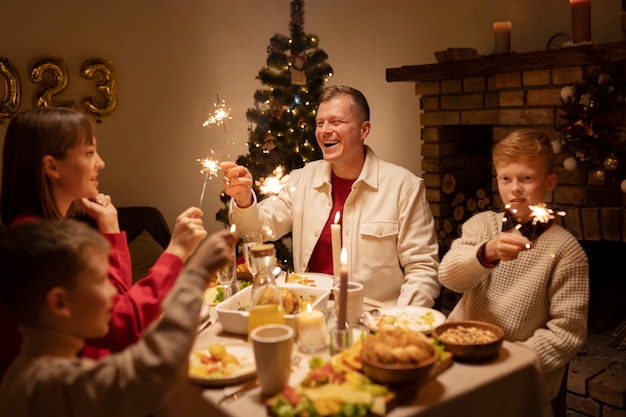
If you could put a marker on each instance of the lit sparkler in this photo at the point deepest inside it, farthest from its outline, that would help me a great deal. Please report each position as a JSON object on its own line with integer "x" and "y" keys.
{"x": 219, "y": 115}
{"x": 210, "y": 167}
{"x": 273, "y": 184}
{"x": 541, "y": 214}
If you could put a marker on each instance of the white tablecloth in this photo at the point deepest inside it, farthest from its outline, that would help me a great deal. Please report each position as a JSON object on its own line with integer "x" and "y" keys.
{"x": 510, "y": 386}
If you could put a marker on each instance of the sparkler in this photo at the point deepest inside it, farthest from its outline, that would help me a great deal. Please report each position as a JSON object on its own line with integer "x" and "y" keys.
{"x": 541, "y": 214}
{"x": 219, "y": 116}
{"x": 273, "y": 184}
{"x": 210, "y": 167}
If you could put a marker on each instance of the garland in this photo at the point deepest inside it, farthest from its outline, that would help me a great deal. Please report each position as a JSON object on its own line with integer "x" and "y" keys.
{"x": 592, "y": 114}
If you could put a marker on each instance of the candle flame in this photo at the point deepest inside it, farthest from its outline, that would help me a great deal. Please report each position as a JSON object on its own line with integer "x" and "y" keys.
{"x": 233, "y": 228}
{"x": 344, "y": 257}
{"x": 309, "y": 308}
{"x": 337, "y": 215}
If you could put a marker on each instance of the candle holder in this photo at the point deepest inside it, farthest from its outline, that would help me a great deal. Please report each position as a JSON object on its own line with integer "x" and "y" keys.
{"x": 339, "y": 340}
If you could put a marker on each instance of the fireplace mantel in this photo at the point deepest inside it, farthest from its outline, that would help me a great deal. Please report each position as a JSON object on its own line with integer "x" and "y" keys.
{"x": 588, "y": 54}
{"x": 467, "y": 105}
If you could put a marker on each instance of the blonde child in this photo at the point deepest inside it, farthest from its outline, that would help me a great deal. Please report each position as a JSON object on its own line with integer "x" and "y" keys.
{"x": 532, "y": 279}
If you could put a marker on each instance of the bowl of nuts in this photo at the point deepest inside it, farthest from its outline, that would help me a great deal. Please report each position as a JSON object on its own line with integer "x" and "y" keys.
{"x": 470, "y": 340}
{"x": 397, "y": 356}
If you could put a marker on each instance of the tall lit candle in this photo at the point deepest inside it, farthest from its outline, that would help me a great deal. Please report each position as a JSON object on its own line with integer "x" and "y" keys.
{"x": 343, "y": 292}
{"x": 501, "y": 37}
{"x": 581, "y": 20}
{"x": 335, "y": 236}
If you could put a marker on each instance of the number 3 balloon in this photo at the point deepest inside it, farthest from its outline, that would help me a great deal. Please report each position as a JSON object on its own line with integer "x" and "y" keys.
{"x": 104, "y": 74}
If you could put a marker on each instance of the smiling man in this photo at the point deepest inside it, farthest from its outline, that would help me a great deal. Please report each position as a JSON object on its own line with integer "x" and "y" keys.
{"x": 386, "y": 224}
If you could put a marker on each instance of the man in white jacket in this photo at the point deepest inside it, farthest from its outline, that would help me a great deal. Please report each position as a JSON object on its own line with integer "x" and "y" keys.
{"x": 386, "y": 224}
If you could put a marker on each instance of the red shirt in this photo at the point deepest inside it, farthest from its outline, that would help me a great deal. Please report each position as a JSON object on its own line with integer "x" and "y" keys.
{"x": 322, "y": 256}
{"x": 134, "y": 308}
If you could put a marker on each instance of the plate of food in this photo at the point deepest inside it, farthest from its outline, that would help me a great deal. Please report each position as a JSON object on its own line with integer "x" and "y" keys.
{"x": 214, "y": 293}
{"x": 311, "y": 279}
{"x": 419, "y": 319}
{"x": 222, "y": 364}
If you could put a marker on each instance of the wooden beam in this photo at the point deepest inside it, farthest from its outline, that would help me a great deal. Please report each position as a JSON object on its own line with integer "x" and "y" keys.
{"x": 588, "y": 54}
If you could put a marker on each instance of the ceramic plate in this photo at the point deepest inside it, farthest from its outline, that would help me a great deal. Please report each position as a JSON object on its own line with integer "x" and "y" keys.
{"x": 420, "y": 319}
{"x": 209, "y": 294}
{"x": 312, "y": 279}
{"x": 217, "y": 374}
{"x": 205, "y": 312}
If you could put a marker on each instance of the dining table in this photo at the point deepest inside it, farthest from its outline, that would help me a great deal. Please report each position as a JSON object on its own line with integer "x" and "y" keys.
{"x": 508, "y": 385}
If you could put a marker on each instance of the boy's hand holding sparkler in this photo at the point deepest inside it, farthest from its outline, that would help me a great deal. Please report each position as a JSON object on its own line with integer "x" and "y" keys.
{"x": 237, "y": 183}
{"x": 506, "y": 247}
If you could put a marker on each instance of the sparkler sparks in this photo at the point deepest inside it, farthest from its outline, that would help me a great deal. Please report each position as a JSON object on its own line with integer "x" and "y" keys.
{"x": 273, "y": 184}
{"x": 220, "y": 114}
{"x": 210, "y": 167}
{"x": 541, "y": 214}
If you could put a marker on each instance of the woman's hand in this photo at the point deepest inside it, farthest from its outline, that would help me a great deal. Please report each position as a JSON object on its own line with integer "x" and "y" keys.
{"x": 103, "y": 211}
{"x": 188, "y": 233}
{"x": 237, "y": 183}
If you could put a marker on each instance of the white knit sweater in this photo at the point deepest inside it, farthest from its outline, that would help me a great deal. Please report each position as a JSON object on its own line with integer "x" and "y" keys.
{"x": 540, "y": 299}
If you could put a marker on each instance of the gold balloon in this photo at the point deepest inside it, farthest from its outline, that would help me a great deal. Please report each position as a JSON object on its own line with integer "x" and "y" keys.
{"x": 12, "y": 90}
{"x": 104, "y": 74}
{"x": 53, "y": 76}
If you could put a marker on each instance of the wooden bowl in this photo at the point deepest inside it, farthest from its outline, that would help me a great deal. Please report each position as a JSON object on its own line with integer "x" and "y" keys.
{"x": 471, "y": 350}
{"x": 400, "y": 373}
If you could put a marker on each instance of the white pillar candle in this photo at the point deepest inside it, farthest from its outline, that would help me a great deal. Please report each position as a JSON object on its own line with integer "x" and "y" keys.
{"x": 343, "y": 292}
{"x": 311, "y": 326}
{"x": 501, "y": 37}
{"x": 335, "y": 236}
{"x": 581, "y": 20}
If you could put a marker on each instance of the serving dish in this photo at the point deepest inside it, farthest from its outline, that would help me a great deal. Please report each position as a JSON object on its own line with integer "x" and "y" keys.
{"x": 199, "y": 372}
{"x": 233, "y": 313}
{"x": 419, "y": 319}
{"x": 400, "y": 373}
{"x": 398, "y": 355}
{"x": 467, "y": 346}
{"x": 310, "y": 279}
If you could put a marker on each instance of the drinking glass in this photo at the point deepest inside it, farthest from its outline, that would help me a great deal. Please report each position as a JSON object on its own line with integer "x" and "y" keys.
{"x": 251, "y": 239}
{"x": 226, "y": 276}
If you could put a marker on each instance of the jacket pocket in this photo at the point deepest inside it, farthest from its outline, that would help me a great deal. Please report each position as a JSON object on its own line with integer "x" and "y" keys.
{"x": 378, "y": 244}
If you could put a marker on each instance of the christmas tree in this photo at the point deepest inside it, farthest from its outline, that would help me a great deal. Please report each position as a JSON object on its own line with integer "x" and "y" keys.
{"x": 282, "y": 132}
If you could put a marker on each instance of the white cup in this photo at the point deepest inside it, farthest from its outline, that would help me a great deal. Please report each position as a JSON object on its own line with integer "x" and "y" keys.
{"x": 272, "y": 345}
{"x": 355, "y": 301}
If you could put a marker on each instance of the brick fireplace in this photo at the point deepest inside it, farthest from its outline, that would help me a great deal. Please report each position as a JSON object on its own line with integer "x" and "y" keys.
{"x": 468, "y": 105}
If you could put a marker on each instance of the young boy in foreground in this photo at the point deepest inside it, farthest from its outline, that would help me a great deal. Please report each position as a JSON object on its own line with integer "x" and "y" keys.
{"x": 532, "y": 279}
{"x": 54, "y": 278}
